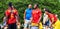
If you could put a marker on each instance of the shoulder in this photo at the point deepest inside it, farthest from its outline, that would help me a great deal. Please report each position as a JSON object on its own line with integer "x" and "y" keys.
{"x": 7, "y": 10}
{"x": 15, "y": 10}
{"x": 26, "y": 9}
{"x": 39, "y": 9}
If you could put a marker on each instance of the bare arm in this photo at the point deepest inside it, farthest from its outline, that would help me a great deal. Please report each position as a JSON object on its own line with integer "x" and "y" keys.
{"x": 40, "y": 16}
{"x": 17, "y": 18}
{"x": 4, "y": 19}
{"x": 31, "y": 19}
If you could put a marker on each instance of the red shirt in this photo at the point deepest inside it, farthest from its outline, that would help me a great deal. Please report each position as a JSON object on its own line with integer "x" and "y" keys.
{"x": 11, "y": 16}
{"x": 36, "y": 14}
{"x": 55, "y": 18}
{"x": 52, "y": 16}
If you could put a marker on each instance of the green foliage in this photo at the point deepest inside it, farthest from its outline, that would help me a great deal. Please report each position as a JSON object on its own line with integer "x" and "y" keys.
{"x": 21, "y": 5}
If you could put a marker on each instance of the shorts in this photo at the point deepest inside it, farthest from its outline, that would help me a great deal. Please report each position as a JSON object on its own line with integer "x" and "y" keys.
{"x": 47, "y": 23}
{"x": 34, "y": 24}
{"x": 4, "y": 24}
{"x": 0, "y": 27}
{"x": 12, "y": 26}
{"x": 27, "y": 22}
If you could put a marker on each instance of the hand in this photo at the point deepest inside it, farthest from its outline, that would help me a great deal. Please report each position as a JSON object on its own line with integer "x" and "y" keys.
{"x": 31, "y": 19}
{"x": 18, "y": 23}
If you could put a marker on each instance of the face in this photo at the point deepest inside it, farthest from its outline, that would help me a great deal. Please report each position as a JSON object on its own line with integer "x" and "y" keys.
{"x": 56, "y": 15}
{"x": 30, "y": 6}
{"x": 35, "y": 6}
{"x": 44, "y": 9}
{"x": 46, "y": 12}
{"x": 12, "y": 7}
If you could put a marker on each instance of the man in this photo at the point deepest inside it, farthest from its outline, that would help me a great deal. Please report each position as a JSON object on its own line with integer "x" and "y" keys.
{"x": 45, "y": 19}
{"x": 11, "y": 17}
{"x": 5, "y": 26}
{"x": 50, "y": 16}
{"x": 56, "y": 23}
{"x": 53, "y": 18}
{"x": 36, "y": 16}
{"x": 27, "y": 16}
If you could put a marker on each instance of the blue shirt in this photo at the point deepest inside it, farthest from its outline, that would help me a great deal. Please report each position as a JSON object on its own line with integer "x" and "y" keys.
{"x": 28, "y": 13}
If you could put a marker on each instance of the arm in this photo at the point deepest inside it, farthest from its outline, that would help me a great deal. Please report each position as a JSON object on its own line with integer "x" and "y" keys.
{"x": 31, "y": 19}
{"x": 17, "y": 17}
{"x": 40, "y": 16}
{"x": 52, "y": 20}
{"x": 44, "y": 18}
{"x": 5, "y": 17}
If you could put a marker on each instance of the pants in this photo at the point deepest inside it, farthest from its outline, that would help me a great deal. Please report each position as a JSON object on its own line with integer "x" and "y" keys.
{"x": 27, "y": 22}
{"x": 47, "y": 23}
{"x": 34, "y": 27}
{"x": 12, "y": 26}
{"x": 0, "y": 27}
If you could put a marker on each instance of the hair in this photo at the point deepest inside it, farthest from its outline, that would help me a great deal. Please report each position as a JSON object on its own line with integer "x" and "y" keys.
{"x": 29, "y": 4}
{"x": 10, "y": 4}
{"x": 37, "y": 5}
{"x": 46, "y": 9}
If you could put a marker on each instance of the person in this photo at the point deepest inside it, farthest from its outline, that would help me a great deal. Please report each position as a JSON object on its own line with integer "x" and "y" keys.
{"x": 36, "y": 17}
{"x": 56, "y": 23}
{"x": 50, "y": 16}
{"x": 53, "y": 18}
{"x": 46, "y": 20}
{"x": 11, "y": 17}
{"x": 5, "y": 26}
{"x": 27, "y": 16}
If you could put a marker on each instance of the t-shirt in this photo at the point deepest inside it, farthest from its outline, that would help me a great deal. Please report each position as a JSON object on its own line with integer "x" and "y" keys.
{"x": 11, "y": 16}
{"x": 45, "y": 18}
{"x": 36, "y": 14}
{"x": 52, "y": 16}
{"x": 55, "y": 18}
{"x": 28, "y": 13}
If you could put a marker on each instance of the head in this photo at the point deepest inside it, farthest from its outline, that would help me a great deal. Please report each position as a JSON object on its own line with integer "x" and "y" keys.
{"x": 35, "y": 6}
{"x": 29, "y": 6}
{"x": 46, "y": 10}
{"x": 10, "y": 5}
{"x": 56, "y": 15}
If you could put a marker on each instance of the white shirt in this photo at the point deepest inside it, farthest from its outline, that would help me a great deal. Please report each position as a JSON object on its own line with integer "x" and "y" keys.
{"x": 45, "y": 18}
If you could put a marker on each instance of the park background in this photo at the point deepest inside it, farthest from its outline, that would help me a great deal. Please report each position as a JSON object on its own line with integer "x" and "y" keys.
{"x": 21, "y": 5}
